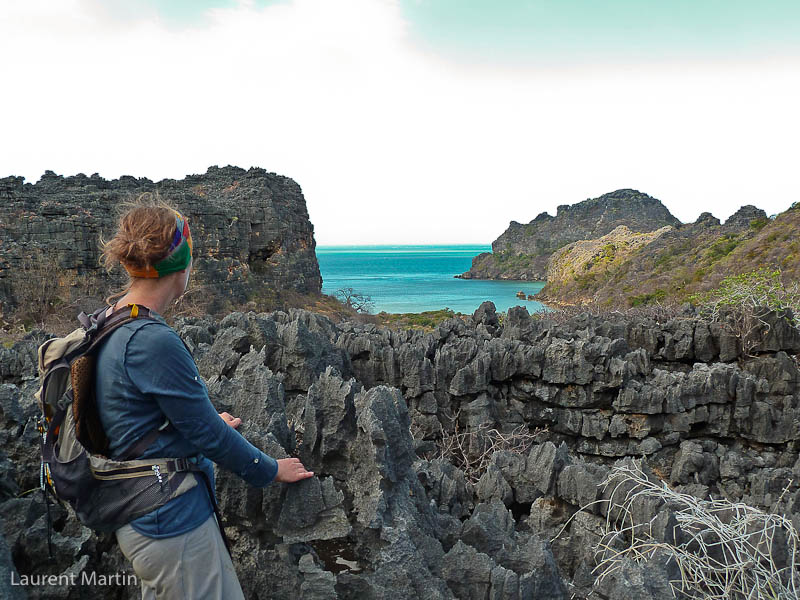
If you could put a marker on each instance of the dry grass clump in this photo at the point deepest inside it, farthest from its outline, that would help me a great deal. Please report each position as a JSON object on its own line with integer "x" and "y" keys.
{"x": 425, "y": 321}
{"x": 203, "y": 299}
{"x": 723, "y": 551}
{"x": 472, "y": 450}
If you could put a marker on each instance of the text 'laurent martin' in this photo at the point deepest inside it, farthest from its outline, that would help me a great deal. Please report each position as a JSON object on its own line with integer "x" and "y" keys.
{"x": 72, "y": 579}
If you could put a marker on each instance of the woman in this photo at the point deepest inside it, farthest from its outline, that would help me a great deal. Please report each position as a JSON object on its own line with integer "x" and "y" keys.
{"x": 144, "y": 376}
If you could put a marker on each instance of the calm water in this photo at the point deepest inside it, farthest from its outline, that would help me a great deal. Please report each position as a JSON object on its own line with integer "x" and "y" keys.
{"x": 402, "y": 279}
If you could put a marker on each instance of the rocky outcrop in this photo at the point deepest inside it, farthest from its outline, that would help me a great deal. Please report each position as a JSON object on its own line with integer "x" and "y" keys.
{"x": 251, "y": 229}
{"x": 745, "y": 216}
{"x": 522, "y": 251}
{"x": 390, "y": 515}
{"x": 672, "y": 264}
{"x": 624, "y": 249}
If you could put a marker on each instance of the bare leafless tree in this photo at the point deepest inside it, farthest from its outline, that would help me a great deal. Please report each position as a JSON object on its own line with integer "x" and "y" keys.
{"x": 355, "y": 300}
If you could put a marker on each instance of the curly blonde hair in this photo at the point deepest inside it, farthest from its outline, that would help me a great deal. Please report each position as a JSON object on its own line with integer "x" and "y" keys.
{"x": 143, "y": 237}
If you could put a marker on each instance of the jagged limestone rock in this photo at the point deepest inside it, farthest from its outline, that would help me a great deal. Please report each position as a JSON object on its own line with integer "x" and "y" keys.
{"x": 622, "y": 389}
{"x": 251, "y": 227}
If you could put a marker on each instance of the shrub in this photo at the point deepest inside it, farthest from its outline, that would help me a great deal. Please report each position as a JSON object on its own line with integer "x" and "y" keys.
{"x": 761, "y": 288}
{"x": 722, "y": 247}
{"x": 44, "y": 291}
{"x": 741, "y": 301}
{"x": 507, "y": 259}
{"x": 699, "y": 274}
{"x": 663, "y": 260}
{"x": 425, "y": 320}
{"x": 472, "y": 450}
{"x": 585, "y": 282}
{"x": 355, "y": 300}
{"x": 648, "y": 298}
{"x": 659, "y": 312}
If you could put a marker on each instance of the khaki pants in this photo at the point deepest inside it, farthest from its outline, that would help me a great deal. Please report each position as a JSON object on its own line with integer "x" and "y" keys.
{"x": 191, "y": 566}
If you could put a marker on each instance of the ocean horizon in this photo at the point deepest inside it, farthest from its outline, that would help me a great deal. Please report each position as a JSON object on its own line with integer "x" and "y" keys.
{"x": 417, "y": 278}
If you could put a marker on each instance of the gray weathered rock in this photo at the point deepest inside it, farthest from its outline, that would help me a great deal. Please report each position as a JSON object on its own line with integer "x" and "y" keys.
{"x": 542, "y": 468}
{"x": 580, "y": 484}
{"x": 317, "y": 584}
{"x": 251, "y": 228}
{"x": 468, "y": 573}
{"x": 404, "y": 519}
{"x": 648, "y": 581}
{"x": 9, "y": 577}
{"x": 329, "y": 422}
{"x": 490, "y": 529}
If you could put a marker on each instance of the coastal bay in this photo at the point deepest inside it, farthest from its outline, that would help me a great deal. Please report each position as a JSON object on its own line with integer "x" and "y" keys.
{"x": 405, "y": 279}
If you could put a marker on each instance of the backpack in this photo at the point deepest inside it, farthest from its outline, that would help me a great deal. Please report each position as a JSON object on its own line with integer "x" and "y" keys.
{"x": 105, "y": 494}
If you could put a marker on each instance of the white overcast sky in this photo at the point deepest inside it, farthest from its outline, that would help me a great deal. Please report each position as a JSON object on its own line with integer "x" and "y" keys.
{"x": 405, "y": 126}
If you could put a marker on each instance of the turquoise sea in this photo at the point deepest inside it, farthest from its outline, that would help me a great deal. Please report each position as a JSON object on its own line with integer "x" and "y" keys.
{"x": 402, "y": 279}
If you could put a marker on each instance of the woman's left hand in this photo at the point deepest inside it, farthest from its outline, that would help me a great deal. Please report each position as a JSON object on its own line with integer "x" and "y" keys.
{"x": 232, "y": 421}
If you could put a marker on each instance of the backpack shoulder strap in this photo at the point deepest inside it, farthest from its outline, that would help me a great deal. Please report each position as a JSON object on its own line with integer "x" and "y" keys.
{"x": 88, "y": 428}
{"x": 104, "y": 325}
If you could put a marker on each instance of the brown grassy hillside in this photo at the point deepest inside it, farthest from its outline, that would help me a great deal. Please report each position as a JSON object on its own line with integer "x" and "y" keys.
{"x": 682, "y": 261}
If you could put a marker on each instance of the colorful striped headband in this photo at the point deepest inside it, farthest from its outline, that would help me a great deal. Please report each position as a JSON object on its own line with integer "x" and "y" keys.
{"x": 178, "y": 256}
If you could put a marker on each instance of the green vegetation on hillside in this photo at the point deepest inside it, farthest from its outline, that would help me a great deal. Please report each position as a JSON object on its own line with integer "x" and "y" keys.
{"x": 723, "y": 246}
{"x": 649, "y": 298}
{"x": 509, "y": 260}
{"x": 678, "y": 265}
{"x": 741, "y": 303}
{"x": 762, "y": 288}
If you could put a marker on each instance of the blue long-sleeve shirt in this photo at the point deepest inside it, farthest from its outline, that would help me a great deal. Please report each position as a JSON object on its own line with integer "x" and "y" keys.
{"x": 145, "y": 374}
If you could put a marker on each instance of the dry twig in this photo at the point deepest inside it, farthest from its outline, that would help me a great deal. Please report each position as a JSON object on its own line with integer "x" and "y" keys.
{"x": 726, "y": 550}
{"x": 472, "y": 450}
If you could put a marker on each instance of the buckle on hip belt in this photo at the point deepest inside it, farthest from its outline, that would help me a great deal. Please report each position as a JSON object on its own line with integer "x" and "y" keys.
{"x": 181, "y": 464}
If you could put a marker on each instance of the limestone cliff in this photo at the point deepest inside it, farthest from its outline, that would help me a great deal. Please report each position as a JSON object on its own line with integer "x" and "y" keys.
{"x": 522, "y": 251}
{"x": 251, "y": 228}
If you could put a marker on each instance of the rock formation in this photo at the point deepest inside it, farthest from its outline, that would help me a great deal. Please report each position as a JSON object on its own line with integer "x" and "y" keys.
{"x": 522, "y": 251}
{"x": 592, "y": 259}
{"x": 676, "y": 263}
{"x": 251, "y": 229}
{"x": 625, "y": 249}
{"x": 387, "y": 516}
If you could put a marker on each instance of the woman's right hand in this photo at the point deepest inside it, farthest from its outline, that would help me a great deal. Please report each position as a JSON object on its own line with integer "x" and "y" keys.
{"x": 291, "y": 470}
